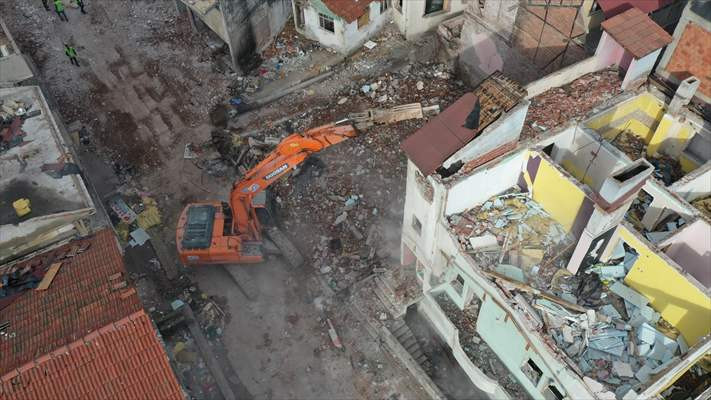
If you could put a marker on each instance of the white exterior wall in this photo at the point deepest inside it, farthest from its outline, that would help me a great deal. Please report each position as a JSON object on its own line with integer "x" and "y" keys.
{"x": 346, "y": 36}
{"x": 639, "y": 69}
{"x": 502, "y": 131}
{"x": 694, "y": 185}
{"x": 491, "y": 179}
{"x": 412, "y": 21}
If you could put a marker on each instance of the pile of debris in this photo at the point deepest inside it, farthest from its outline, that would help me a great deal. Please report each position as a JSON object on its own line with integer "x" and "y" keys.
{"x": 630, "y": 144}
{"x": 619, "y": 339}
{"x": 560, "y": 105}
{"x": 704, "y": 205}
{"x": 512, "y": 227}
{"x": 134, "y": 217}
{"x": 666, "y": 169}
{"x": 662, "y": 230}
{"x": 13, "y": 114}
{"x": 477, "y": 349}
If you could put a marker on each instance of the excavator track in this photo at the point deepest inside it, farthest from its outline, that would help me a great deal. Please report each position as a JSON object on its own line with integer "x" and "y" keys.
{"x": 290, "y": 253}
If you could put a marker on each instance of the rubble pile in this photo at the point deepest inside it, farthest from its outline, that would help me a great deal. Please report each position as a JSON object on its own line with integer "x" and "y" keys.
{"x": 476, "y": 349}
{"x": 704, "y": 205}
{"x": 512, "y": 228}
{"x": 562, "y": 104}
{"x": 664, "y": 228}
{"x": 620, "y": 340}
{"x": 666, "y": 169}
{"x": 13, "y": 113}
{"x": 630, "y": 144}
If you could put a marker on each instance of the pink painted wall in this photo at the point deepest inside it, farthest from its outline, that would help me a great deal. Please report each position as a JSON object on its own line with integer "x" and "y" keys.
{"x": 691, "y": 249}
{"x": 609, "y": 52}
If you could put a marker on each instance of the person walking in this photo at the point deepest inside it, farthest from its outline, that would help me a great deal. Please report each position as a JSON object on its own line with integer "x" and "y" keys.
{"x": 71, "y": 52}
{"x": 46, "y": 6}
{"x": 59, "y": 8}
{"x": 80, "y": 4}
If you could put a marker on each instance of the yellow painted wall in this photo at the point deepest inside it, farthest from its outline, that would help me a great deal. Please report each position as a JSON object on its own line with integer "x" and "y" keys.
{"x": 560, "y": 197}
{"x": 687, "y": 164}
{"x": 669, "y": 292}
{"x": 644, "y": 102}
{"x": 578, "y": 173}
{"x": 668, "y": 128}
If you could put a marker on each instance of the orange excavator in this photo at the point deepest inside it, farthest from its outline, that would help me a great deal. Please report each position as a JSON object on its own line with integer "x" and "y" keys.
{"x": 214, "y": 232}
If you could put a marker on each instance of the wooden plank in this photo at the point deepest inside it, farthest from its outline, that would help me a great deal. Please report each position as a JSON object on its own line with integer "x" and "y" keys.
{"x": 49, "y": 276}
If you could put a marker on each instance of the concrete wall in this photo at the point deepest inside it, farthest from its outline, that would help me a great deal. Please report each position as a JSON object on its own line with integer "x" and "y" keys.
{"x": 663, "y": 204}
{"x": 490, "y": 180}
{"x": 695, "y": 185}
{"x": 484, "y": 51}
{"x": 608, "y": 51}
{"x": 251, "y": 25}
{"x": 506, "y": 129}
{"x": 347, "y": 36}
{"x": 639, "y": 70}
{"x": 691, "y": 249}
{"x": 412, "y": 20}
{"x": 564, "y": 76}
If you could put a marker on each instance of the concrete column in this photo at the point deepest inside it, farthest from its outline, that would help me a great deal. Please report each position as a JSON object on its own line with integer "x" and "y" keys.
{"x": 580, "y": 251}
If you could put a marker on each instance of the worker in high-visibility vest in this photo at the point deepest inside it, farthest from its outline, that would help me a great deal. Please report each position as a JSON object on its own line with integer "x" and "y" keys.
{"x": 80, "y": 4}
{"x": 71, "y": 52}
{"x": 59, "y": 8}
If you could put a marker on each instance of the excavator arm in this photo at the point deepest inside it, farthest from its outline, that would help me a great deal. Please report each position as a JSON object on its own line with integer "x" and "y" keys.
{"x": 218, "y": 233}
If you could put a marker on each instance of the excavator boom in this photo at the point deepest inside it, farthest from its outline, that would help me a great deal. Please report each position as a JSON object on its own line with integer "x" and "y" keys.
{"x": 221, "y": 233}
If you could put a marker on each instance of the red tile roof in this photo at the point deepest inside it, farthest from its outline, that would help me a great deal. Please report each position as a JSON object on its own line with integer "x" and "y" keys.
{"x": 636, "y": 32}
{"x": 349, "y": 10}
{"x": 441, "y": 137}
{"x": 123, "y": 360}
{"x": 80, "y": 300}
{"x": 613, "y": 7}
{"x": 445, "y": 134}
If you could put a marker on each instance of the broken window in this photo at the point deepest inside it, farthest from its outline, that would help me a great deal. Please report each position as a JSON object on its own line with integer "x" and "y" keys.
{"x": 416, "y": 225}
{"x": 364, "y": 19}
{"x": 552, "y": 393}
{"x": 326, "y": 22}
{"x": 432, "y": 6}
{"x": 532, "y": 371}
{"x": 384, "y": 5}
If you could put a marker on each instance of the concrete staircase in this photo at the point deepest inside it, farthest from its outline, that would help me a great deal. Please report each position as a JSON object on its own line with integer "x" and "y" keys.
{"x": 407, "y": 339}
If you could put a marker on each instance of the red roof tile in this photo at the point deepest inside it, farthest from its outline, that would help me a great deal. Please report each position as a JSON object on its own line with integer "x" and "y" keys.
{"x": 349, "y": 10}
{"x": 78, "y": 301}
{"x": 445, "y": 134}
{"x": 636, "y": 32}
{"x": 99, "y": 367}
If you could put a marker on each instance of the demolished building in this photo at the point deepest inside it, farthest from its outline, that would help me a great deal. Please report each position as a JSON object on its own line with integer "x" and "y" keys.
{"x": 246, "y": 27}
{"x": 545, "y": 247}
{"x": 43, "y": 198}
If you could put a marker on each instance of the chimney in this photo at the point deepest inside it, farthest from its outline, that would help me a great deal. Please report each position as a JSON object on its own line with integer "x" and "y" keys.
{"x": 686, "y": 90}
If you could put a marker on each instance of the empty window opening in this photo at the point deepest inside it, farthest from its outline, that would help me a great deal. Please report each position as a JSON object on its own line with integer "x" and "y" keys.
{"x": 364, "y": 19}
{"x": 384, "y": 5}
{"x": 458, "y": 284}
{"x": 531, "y": 370}
{"x": 630, "y": 173}
{"x": 326, "y": 22}
{"x": 416, "y": 225}
{"x": 552, "y": 393}
{"x": 432, "y": 6}
{"x": 549, "y": 149}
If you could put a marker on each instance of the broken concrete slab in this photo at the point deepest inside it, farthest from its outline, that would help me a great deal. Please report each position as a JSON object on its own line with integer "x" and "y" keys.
{"x": 629, "y": 294}
{"x": 484, "y": 242}
{"x": 511, "y": 271}
{"x": 622, "y": 369}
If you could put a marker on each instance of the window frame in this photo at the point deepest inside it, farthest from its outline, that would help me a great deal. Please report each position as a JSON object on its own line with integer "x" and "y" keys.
{"x": 366, "y": 14}
{"x": 323, "y": 17}
{"x": 445, "y": 7}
